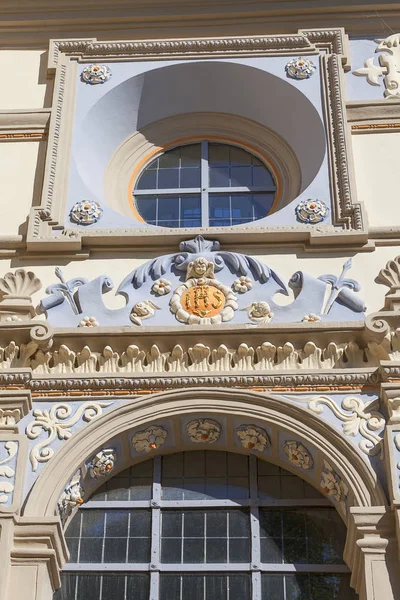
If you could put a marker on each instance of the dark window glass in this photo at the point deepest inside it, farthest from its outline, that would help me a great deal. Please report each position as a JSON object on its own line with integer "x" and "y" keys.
{"x": 306, "y": 586}
{"x": 208, "y": 586}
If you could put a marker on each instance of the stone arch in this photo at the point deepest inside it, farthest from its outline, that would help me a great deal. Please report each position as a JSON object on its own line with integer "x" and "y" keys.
{"x": 234, "y": 407}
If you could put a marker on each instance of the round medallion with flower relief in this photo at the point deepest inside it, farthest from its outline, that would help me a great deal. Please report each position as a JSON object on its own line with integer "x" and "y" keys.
{"x": 86, "y": 212}
{"x": 311, "y": 211}
{"x": 242, "y": 284}
{"x": 311, "y": 318}
{"x": 298, "y": 455}
{"x": 300, "y": 68}
{"x": 96, "y": 73}
{"x": 88, "y": 322}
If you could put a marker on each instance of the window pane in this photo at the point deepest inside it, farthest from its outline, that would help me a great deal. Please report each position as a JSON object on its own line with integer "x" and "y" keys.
{"x": 190, "y": 177}
{"x": 169, "y": 159}
{"x": 168, "y": 179}
{"x": 262, "y": 177}
{"x": 147, "y": 180}
{"x": 113, "y": 587}
{"x": 218, "y": 154}
{"x": 191, "y": 155}
{"x": 241, "y": 177}
{"x": 190, "y": 211}
{"x": 305, "y": 586}
{"x": 238, "y": 208}
{"x": 147, "y": 208}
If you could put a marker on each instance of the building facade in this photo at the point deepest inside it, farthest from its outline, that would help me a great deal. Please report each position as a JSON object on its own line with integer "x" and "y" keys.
{"x": 199, "y": 301}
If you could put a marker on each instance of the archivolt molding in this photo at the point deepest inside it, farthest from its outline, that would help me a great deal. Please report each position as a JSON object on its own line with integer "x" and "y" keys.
{"x": 233, "y": 408}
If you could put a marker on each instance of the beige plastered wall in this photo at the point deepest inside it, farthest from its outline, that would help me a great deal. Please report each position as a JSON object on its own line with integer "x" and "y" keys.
{"x": 23, "y": 75}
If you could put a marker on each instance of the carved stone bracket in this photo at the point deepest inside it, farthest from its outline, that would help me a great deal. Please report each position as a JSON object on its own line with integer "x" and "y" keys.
{"x": 14, "y": 405}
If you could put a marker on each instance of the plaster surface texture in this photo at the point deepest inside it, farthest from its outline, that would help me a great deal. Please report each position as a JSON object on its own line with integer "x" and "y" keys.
{"x": 18, "y": 163}
{"x": 25, "y": 76}
{"x": 376, "y": 161}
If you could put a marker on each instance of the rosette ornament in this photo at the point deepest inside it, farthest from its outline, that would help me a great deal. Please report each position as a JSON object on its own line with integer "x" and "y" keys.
{"x": 242, "y": 284}
{"x": 206, "y": 431}
{"x": 300, "y": 68}
{"x": 298, "y": 455}
{"x": 149, "y": 439}
{"x": 96, "y": 73}
{"x": 333, "y": 485}
{"x": 102, "y": 463}
{"x": 311, "y": 211}
{"x": 86, "y": 212}
{"x": 161, "y": 287}
{"x": 253, "y": 437}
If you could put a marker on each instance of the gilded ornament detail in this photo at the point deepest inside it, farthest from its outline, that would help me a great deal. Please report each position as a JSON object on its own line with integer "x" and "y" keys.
{"x": 298, "y": 455}
{"x": 203, "y": 301}
{"x": 86, "y": 212}
{"x": 96, "y": 73}
{"x": 206, "y": 431}
{"x": 149, "y": 439}
{"x": 253, "y": 437}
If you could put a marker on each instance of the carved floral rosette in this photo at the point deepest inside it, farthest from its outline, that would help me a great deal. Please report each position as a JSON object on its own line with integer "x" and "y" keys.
{"x": 311, "y": 211}
{"x": 209, "y": 294}
{"x": 253, "y": 437}
{"x": 149, "y": 439}
{"x": 72, "y": 497}
{"x": 96, "y": 73}
{"x": 206, "y": 431}
{"x": 102, "y": 463}
{"x": 86, "y": 212}
{"x": 161, "y": 287}
{"x": 298, "y": 455}
{"x": 333, "y": 485}
{"x": 300, "y": 68}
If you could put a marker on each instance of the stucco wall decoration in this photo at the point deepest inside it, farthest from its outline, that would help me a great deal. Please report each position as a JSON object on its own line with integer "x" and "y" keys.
{"x": 300, "y": 68}
{"x": 149, "y": 439}
{"x": 8, "y": 454}
{"x": 298, "y": 455}
{"x": 253, "y": 437}
{"x": 388, "y": 67}
{"x": 72, "y": 497}
{"x": 204, "y": 431}
{"x": 333, "y": 485}
{"x": 208, "y": 285}
{"x": 96, "y": 73}
{"x": 102, "y": 463}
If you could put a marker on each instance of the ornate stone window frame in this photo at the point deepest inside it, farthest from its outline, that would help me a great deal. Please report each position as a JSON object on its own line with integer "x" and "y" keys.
{"x": 48, "y": 226}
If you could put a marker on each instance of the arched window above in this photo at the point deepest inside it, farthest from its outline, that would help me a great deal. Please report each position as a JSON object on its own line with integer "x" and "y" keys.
{"x": 205, "y": 184}
{"x": 206, "y": 525}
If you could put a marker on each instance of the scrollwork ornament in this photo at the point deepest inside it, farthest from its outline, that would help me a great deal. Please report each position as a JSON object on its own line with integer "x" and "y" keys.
{"x": 356, "y": 419}
{"x": 298, "y": 455}
{"x": 311, "y": 211}
{"x": 206, "y": 431}
{"x": 57, "y": 423}
{"x": 253, "y": 437}
{"x": 300, "y": 68}
{"x": 86, "y": 212}
{"x": 72, "y": 497}
{"x": 149, "y": 439}
{"x": 7, "y": 473}
{"x": 102, "y": 463}
{"x": 94, "y": 74}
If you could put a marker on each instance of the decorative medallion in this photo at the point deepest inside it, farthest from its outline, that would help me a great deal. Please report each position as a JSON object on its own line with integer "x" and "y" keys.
{"x": 311, "y": 318}
{"x": 88, "y": 322}
{"x": 311, "y": 211}
{"x": 143, "y": 310}
{"x": 72, "y": 497}
{"x": 300, "y": 68}
{"x": 206, "y": 431}
{"x": 102, "y": 463}
{"x": 253, "y": 437}
{"x": 86, "y": 212}
{"x": 242, "y": 284}
{"x": 96, "y": 73}
{"x": 298, "y": 455}
{"x": 259, "y": 312}
{"x": 161, "y": 287}
{"x": 333, "y": 485}
{"x": 149, "y": 439}
{"x": 203, "y": 301}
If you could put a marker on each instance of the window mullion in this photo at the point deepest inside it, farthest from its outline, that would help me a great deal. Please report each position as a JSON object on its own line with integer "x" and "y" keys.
{"x": 155, "y": 531}
{"x": 204, "y": 184}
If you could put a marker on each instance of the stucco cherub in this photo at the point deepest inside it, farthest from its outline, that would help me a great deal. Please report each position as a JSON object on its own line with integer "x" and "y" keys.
{"x": 259, "y": 312}
{"x": 143, "y": 310}
{"x": 199, "y": 268}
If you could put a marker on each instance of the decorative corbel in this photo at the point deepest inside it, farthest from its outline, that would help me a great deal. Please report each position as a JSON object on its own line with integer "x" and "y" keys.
{"x": 14, "y": 405}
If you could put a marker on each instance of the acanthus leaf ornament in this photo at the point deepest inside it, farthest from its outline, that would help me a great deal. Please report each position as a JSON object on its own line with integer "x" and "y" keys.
{"x": 333, "y": 485}
{"x": 102, "y": 463}
{"x": 7, "y": 473}
{"x": 206, "y": 431}
{"x": 356, "y": 419}
{"x": 253, "y": 437}
{"x": 149, "y": 439}
{"x": 57, "y": 422}
{"x": 95, "y": 74}
{"x": 311, "y": 211}
{"x": 86, "y": 212}
{"x": 298, "y": 455}
{"x": 72, "y": 497}
{"x": 300, "y": 68}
